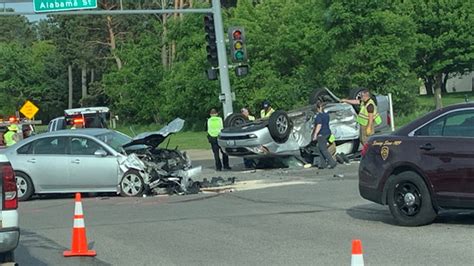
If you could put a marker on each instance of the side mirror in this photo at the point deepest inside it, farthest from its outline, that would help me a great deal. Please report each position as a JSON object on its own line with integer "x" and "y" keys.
{"x": 100, "y": 153}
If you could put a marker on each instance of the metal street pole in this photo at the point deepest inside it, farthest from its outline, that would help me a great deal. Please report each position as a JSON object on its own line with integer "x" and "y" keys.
{"x": 113, "y": 12}
{"x": 222, "y": 56}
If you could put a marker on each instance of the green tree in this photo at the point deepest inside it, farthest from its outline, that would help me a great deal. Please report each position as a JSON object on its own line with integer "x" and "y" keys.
{"x": 16, "y": 29}
{"x": 31, "y": 73}
{"x": 445, "y": 42}
{"x": 134, "y": 90}
{"x": 288, "y": 51}
{"x": 14, "y": 76}
{"x": 373, "y": 47}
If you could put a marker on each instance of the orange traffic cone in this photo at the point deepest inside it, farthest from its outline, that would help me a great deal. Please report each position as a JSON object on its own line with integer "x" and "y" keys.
{"x": 357, "y": 258}
{"x": 79, "y": 239}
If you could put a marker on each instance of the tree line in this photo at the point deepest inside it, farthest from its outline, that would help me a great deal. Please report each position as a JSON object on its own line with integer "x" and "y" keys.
{"x": 151, "y": 68}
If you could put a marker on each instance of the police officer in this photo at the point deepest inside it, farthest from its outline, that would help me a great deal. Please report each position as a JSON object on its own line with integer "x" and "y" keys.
{"x": 368, "y": 116}
{"x": 214, "y": 127}
{"x": 267, "y": 109}
{"x": 10, "y": 136}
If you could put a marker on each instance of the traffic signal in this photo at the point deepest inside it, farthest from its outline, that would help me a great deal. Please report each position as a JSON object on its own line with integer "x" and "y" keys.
{"x": 211, "y": 47}
{"x": 238, "y": 51}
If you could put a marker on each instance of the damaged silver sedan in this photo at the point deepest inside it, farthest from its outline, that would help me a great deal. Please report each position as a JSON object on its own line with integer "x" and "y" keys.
{"x": 289, "y": 133}
{"x": 99, "y": 160}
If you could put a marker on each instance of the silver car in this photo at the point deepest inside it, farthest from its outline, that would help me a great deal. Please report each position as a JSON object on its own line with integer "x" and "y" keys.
{"x": 289, "y": 133}
{"x": 93, "y": 160}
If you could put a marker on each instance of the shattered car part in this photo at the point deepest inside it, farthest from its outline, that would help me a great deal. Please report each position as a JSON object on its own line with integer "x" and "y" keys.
{"x": 161, "y": 167}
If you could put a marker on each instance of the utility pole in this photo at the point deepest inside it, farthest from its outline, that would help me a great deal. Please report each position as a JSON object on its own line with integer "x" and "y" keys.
{"x": 226, "y": 94}
{"x": 69, "y": 74}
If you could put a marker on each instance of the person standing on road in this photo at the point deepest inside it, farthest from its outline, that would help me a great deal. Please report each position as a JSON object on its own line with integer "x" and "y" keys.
{"x": 214, "y": 128}
{"x": 248, "y": 163}
{"x": 367, "y": 115}
{"x": 321, "y": 134}
{"x": 267, "y": 109}
{"x": 11, "y": 137}
{"x": 245, "y": 112}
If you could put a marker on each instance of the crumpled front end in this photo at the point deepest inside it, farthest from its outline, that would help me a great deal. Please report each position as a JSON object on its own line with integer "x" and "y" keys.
{"x": 161, "y": 168}
{"x": 130, "y": 162}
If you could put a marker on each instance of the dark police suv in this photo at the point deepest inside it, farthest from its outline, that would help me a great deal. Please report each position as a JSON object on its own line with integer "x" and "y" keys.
{"x": 426, "y": 166}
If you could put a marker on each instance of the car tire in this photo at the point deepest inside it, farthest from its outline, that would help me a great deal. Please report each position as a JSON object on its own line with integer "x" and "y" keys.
{"x": 279, "y": 125}
{"x": 321, "y": 95}
{"x": 7, "y": 257}
{"x": 409, "y": 200}
{"x": 24, "y": 186}
{"x": 132, "y": 184}
{"x": 235, "y": 120}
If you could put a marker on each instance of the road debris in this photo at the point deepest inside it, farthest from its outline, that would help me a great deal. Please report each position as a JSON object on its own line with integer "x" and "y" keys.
{"x": 338, "y": 175}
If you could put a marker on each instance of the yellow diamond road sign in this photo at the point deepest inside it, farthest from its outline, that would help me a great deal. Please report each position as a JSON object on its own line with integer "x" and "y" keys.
{"x": 29, "y": 110}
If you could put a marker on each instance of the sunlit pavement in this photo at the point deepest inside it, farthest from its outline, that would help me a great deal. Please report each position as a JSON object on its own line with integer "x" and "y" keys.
{"x": 308, "y": 222}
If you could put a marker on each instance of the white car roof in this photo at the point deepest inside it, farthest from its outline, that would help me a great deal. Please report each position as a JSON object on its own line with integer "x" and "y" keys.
{"x": 86, "y": 110}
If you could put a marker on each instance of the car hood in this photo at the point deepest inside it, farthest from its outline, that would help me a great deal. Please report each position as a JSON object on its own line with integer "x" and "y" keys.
{"x": 155, "y": 138}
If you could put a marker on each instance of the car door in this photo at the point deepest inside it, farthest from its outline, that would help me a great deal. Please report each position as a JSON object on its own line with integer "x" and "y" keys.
{"x": 446, "y": 149}
{"x": 90, "y": 172}
{"x": 45, "y": 161}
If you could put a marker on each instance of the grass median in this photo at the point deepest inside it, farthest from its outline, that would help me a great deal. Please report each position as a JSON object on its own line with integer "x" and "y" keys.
{"x": 426, "y": 104}
{"x": 183, "y": 140}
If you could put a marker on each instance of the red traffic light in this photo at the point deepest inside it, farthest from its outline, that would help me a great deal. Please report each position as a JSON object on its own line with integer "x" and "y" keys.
{"x": 237, "y": 40}
{"x": 237, "y": 35}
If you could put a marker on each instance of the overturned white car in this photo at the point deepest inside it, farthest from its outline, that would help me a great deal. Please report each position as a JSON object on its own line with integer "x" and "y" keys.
{"x": 289, "y": 133}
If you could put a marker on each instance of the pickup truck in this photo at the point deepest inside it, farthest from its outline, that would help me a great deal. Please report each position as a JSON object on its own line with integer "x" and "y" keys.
{"x": 86, "y": 117}
{"x": 9, "y": 228}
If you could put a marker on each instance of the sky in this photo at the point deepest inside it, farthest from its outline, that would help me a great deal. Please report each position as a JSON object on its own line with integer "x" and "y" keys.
{"x": 24, "y": 7}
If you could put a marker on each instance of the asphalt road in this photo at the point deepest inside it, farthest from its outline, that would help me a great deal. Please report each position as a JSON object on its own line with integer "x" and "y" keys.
{"x": 296, "y": 216}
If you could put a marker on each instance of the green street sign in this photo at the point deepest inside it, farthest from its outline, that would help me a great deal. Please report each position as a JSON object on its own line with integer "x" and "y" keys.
{"x": 62, "y": 5}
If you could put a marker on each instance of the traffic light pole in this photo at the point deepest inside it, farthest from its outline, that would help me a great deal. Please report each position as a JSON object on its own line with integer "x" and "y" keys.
{"x": 222, "y": 57}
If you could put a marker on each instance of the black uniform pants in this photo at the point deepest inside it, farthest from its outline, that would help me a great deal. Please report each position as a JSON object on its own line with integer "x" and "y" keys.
{"x": 215, "y": 150}
{"x": 326, "y": 157}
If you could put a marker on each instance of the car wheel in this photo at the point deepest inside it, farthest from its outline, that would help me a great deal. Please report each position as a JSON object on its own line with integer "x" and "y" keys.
{"x": 235, "y": 120}
{"x": 279, "y": 125}
{"x": 321, "y": 95}
{"x": 409, "y": 200}
{"x": 131, "y": 184}
{"x": 24, "y": 186}
{"x": 7, "y": 257}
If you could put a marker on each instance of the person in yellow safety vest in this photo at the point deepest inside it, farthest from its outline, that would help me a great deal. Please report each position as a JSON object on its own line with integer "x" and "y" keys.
{"x": 10, "y": 136}
{"x": 368, "y": 116}
{"x": 245, "y": 112}
{"x": 267, "y": 110}
{"x": 214, "y": 126}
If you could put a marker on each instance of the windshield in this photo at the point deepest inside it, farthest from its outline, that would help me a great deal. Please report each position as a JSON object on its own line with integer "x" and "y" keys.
{"x": 114, "y": 139}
